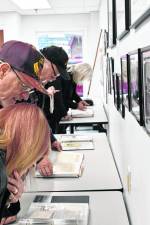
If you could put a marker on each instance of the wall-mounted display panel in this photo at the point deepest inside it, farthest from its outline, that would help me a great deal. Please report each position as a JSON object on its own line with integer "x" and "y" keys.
{"x": 123, "y": 17}
{"x": 111, "y": 22}
{"x": 140, "y": 11}
{"x": 135, "y": 86}
{"x": 145, "y": 68}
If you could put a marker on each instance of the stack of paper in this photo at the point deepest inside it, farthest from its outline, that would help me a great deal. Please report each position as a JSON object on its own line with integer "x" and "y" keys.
{"x": 66, "y": 164}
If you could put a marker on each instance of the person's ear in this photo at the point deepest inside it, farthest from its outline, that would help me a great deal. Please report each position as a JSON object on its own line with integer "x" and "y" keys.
{"x": 4, "y": 68}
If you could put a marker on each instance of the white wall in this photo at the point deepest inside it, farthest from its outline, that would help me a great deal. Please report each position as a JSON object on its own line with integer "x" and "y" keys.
{"x": 11, "y": 24}
{"x": 54, "y": 23}
{"x": 130, "y": 142}
{"x": 26, "y": 28}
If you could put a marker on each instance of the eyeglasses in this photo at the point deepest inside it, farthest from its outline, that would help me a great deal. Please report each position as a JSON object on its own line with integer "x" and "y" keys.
{"x": 24, "y": 86}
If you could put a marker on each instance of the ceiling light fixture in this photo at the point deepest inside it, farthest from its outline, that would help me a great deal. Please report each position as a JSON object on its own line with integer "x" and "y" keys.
{"x": 32, "y": 4}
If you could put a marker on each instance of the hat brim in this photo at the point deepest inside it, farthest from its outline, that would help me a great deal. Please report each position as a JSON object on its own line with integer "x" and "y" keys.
{"x": 63, "y": 72}
{"x": 34, "y": 83}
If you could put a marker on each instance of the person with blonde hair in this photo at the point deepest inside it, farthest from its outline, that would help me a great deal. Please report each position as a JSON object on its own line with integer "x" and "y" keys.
{"x": 80, "y": 72}
{"x": 24, "y": 140}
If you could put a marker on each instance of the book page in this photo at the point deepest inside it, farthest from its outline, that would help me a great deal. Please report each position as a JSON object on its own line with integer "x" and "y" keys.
{"x": 66, "y": 164}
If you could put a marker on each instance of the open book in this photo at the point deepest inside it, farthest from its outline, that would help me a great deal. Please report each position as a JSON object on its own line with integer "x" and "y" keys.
{"x": 76, "y": 113}
{"x": 58, "y": 210}
{"x": 66, "y": 164}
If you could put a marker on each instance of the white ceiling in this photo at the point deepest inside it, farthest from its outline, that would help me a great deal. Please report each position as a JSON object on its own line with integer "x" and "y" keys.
{"x": 58, "y": 7}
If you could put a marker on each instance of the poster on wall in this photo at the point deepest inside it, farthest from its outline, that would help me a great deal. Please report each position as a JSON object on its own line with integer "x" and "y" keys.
{"x": 111, "y": 23}
{"x": 125, "y": 81}
{"x": 123, "y": 18}
{"x": 135, "y": 86}
{"x": 140, "y": 11}
{"x": 72, "y": 43}
{"x": 145, "y": 62}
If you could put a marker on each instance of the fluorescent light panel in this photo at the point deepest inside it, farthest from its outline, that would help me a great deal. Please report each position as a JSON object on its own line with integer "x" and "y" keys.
{"x": 32, "y": 4}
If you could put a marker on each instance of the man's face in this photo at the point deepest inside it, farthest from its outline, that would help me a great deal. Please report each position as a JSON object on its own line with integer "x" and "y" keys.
{"x": 49, "y": 72}
{"x": 12, "y": 87}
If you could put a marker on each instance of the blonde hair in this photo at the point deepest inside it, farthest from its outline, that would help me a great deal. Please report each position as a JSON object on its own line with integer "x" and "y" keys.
{"x": 81, "y": 72}
{"x": 24, "y": 133}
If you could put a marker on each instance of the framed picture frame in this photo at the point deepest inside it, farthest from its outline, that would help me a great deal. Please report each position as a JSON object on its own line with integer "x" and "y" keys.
{"x": 111, "y": 71}
{"x": 111, "y": 9}
{"x": 105, "y": 34}
{"x": 106, "y": 78}
{"x": 116, "y": 91}
{"x": 135, "y": 85}
{"x": 140, "y": 11}
{"x": 126, "y": 101}
{"x": 123, "y": 17}
{"x": 145, "y": 70}
{"x": 121, "y": 107}
{"x": 114, "y": 87}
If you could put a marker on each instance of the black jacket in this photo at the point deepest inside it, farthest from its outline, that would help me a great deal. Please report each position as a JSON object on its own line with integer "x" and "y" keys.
{"x": 70, "y": 97}
{"x": 59, "y": 107}
{"x": 5, "y": 210}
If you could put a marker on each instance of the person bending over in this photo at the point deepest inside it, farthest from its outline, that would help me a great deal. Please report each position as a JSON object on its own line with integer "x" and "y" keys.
{"x": 24, "y": 140}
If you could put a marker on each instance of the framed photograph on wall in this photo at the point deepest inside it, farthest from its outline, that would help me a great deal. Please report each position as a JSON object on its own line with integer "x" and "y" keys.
{"x": 114, "y": 87}
{"x": 145, "y": 69}
{"x": 140, "y": 11}
{"x": 110, "y": 71}
{"x": 121, "y": 107}
{"x": 105, "y": 41}
{"x": 135, "y": 85}
{"x": 126, "y": 101}
{"x": 123, "y": 17}
{"x": 111, "y": 9}
{"x": 117, "y": 91}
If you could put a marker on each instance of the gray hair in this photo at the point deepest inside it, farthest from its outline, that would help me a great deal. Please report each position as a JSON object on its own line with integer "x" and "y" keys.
{"x": 81, "y": 72}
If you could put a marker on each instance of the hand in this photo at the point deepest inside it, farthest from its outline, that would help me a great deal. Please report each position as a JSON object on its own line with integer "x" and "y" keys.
{"x": 45, "y": 167}
{"x": 66, "y": 118}
{"x": 8, "y": 220}
{"x": 15, "y": 186}
{"x": 85, "y": 103}
{"x": 51, "y": 90}
{"x": 56, "y": 145}
{"x": 81, "y": 105}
